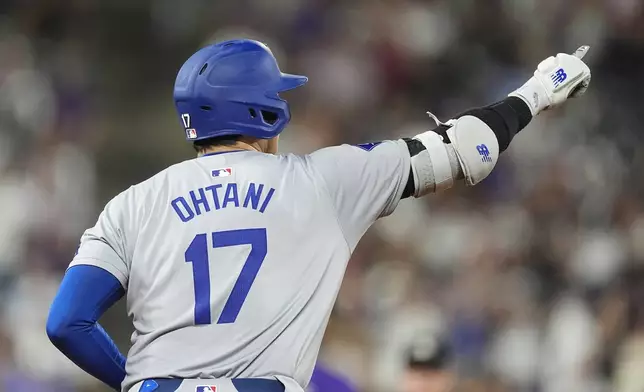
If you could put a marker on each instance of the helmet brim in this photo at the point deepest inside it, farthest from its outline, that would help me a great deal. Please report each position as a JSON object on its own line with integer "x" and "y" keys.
{"x": 289, "y": 82}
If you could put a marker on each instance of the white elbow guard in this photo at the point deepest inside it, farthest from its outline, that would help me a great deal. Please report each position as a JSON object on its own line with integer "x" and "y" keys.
{"x": 474, "y": 150}
{"x": 476, "y": 147}
{"x": 431, "y": 167}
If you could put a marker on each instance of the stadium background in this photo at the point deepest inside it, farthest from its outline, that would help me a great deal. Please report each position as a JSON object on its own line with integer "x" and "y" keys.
{"x": 535, "y": 277}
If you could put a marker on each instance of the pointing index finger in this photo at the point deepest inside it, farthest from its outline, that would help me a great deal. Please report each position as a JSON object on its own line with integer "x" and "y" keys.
{"x": 581, "y": 52}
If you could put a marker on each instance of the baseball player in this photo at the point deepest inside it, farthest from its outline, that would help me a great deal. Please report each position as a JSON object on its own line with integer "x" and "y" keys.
{"x": 231, "y": 261}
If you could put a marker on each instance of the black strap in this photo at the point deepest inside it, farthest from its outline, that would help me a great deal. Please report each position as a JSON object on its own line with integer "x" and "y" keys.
{"x": 415, "y": 147}
{"x": 506, "y": 118}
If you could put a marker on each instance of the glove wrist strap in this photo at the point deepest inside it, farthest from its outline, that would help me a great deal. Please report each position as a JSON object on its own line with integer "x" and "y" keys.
{"x": 533, "y": 94}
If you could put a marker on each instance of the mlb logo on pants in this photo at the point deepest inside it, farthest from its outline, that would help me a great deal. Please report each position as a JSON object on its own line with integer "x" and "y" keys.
{"x": 206, "y": 388}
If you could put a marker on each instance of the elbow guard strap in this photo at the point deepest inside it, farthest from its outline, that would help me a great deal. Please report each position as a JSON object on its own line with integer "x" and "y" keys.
{"x": 469, "y": 146}
{"x": 476, "y": 147}
{"x": 431, "y": 166}
{"x": 472, "y": 143}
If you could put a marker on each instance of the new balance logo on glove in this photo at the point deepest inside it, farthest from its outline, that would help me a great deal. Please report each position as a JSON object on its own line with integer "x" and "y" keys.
{"x": 558, "y": 77}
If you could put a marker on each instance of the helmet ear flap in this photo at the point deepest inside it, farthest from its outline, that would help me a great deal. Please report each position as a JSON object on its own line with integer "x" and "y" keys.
{"x": 264, "y": 116}
{"x": 269, "y": 117}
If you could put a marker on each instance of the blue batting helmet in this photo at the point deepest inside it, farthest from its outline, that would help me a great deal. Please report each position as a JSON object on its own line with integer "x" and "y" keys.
{"x": 231, "y": 88}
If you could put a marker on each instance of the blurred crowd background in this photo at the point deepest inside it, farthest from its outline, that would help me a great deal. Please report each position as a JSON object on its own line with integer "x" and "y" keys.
{"x": 534, "y": 279}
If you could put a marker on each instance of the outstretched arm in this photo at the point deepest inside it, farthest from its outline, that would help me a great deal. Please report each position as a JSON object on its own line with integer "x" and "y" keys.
{"x": 469, "y": 145}
{"x": 364, "y": 183}
{"x": 84, "y": 295}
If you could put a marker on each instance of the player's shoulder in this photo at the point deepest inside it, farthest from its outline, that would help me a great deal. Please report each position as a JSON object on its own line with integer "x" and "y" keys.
{"x": 345, "y": 156}
{"x": 151, "y": 185}
{"x": 362, "y": 150}
{"x": 137, "y": 201}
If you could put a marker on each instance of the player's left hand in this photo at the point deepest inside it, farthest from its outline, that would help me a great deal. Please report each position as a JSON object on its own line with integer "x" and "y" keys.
{"x": 556, "y": 79}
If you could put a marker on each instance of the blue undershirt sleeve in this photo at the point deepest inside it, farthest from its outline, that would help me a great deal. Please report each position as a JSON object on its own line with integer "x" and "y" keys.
{"x": 85, "y": 293}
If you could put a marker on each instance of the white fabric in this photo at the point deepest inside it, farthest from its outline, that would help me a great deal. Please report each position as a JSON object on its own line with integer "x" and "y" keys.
{"x": 476, "y": 147}
{"x": 555, "y": 80}
{"x": 431, "y": 167}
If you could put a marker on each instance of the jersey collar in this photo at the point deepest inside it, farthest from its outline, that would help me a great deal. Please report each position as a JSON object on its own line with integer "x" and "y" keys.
{"x": 220, "y": 152}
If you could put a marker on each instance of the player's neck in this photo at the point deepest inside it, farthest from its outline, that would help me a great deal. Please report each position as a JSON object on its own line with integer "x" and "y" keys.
{"x": 236, "y": 146}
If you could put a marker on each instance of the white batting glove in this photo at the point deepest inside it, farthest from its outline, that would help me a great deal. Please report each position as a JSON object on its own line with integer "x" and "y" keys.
{"x": 555, "y": 80}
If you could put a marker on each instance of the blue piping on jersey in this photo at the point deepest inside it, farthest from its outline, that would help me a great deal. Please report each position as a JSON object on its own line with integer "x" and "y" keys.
{"x": 221, "y": 152}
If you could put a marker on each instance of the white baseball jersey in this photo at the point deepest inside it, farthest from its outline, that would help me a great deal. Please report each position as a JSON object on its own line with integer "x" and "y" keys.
{"x": 232, "y": 261}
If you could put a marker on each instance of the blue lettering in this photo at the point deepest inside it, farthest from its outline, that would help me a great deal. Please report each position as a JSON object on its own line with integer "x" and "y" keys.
{"x": 268, "y": 198}
{"x": 215, "y": 196}
{"x": 201, "y": 200}
{"x": 253, "y": 195}
{"x": 198, "y": 202}
{"x": 231, "y": 195}
{"x": 186, "y": 213}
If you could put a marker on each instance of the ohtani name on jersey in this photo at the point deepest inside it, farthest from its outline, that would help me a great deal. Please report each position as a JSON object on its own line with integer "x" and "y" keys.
{"x": 218, "y": 196}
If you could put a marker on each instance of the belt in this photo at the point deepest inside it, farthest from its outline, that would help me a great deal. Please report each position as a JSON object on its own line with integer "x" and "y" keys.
{"x": 241, "y": 384}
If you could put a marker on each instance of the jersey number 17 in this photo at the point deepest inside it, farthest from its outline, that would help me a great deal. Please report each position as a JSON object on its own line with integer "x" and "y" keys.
{"x": 197, "y": 254}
